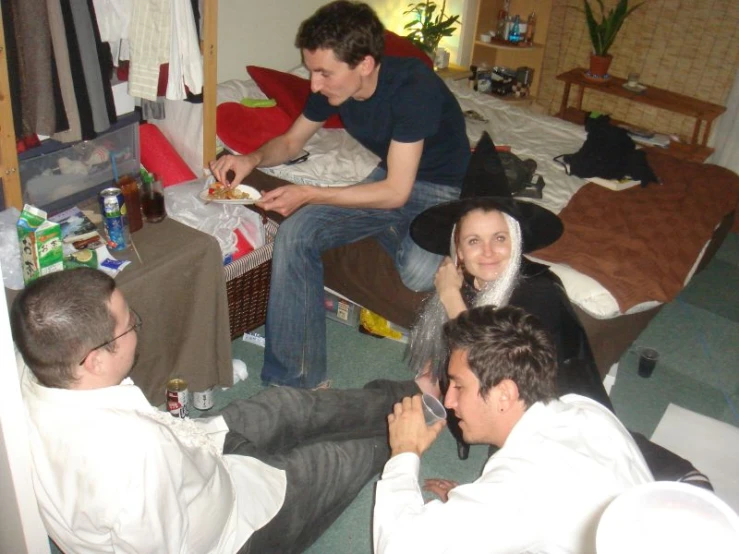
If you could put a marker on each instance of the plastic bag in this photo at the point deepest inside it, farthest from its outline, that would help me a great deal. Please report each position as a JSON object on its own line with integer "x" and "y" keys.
{"x": 219, "y": 220}
{"x": 10, "y": 252}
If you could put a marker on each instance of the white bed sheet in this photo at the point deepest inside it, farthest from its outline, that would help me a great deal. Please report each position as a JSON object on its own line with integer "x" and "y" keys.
{"x": 336, "y": 159}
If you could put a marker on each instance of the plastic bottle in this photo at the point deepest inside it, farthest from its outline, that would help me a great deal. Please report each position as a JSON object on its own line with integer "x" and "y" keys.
{"x": 530, "y": 28}
{"x": 152, "y": 199}
{"x": 472, "y": 79}
{"x": 515, "y": 33}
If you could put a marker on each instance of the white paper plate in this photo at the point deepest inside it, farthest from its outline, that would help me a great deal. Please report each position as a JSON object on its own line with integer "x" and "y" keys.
{"x": 254, "y": 196}
{"x": 666, "y": 516}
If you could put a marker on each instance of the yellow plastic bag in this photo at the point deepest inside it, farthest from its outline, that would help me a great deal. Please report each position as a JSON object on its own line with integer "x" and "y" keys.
{"x": 377, "y": 325}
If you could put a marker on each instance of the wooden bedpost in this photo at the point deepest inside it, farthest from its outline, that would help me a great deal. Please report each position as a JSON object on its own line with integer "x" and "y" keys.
{"x": 9, "y": 173}
{"x": 210, "y": 78}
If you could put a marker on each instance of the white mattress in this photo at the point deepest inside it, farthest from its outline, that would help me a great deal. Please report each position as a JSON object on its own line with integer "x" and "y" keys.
{"x": 336, "y": 159}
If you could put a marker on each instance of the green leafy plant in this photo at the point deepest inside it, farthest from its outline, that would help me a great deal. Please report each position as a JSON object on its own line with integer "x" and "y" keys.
{"x": 428, "y": 26}
{"x": 603, "y": 32}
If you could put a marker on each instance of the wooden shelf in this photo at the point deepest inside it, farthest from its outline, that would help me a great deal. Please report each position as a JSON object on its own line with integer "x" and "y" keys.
{"x": 693, "y": 152}
{"x": 505, "y": 45}
{"x": 502, "y": 53}
{"x": 703, "y": 112}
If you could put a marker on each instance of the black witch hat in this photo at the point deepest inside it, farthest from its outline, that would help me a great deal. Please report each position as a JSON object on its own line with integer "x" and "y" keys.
{"x": 485, "y": 186}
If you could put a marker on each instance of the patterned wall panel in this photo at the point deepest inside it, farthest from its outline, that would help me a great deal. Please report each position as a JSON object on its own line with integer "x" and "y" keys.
{"x": 690, "y": 47}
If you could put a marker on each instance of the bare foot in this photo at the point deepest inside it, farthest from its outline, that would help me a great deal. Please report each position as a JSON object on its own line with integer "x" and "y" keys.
{"x": 428, "y": 384}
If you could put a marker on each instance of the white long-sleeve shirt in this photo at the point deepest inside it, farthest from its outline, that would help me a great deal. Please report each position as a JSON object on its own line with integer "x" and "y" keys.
{"x": 543, "y": 491}
{"x": 113, "y": 474}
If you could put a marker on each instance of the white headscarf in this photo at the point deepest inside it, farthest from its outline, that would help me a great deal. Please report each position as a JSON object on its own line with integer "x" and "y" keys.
{"x": 427, "y": 346}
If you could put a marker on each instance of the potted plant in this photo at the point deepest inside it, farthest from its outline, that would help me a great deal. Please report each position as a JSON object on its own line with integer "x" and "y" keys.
{"x": 428, "y": 26}
{"x": 603, "y": 33}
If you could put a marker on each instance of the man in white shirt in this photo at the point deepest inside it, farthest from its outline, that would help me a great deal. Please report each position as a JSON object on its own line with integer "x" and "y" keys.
{"x": 114, "y": 474}
{"x": 560, "y": 462}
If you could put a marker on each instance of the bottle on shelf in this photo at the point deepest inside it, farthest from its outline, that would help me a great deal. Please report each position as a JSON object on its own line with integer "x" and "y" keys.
{"x": 508, "y": 26}
{"x": 515, "y": 33}
{"x": 530, "y": 28}
{"x": 500, "y": 31}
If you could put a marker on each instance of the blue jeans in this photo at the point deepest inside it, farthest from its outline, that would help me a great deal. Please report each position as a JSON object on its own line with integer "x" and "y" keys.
{"x": 330, "y": 443}
{"x": 295, "y": 350}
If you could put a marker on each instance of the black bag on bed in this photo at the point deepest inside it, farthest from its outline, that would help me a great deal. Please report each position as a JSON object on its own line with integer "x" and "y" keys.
{"x": 505, "y": 172}
{"x": 608, "y": 152}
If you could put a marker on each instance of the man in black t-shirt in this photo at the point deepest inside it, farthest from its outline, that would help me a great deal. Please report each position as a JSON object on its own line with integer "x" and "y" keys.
{"x": 397, "y": 108}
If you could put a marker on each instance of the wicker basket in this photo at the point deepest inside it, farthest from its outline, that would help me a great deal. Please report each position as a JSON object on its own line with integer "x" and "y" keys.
{"x": 247, "y": 286}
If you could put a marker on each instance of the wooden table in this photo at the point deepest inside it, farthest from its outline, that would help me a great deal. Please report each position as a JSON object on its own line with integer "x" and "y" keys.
{"x": 704, "y": 113}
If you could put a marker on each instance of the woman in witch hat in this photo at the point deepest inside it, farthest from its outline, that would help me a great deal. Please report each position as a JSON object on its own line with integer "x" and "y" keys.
{"x": 484, "y": 236}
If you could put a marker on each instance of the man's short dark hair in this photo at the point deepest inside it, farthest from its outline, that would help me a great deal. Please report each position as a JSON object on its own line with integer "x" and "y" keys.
{"x": 506, "y": 343}
{"x": 351, "y": 29}
{"x": 57, "y": 319}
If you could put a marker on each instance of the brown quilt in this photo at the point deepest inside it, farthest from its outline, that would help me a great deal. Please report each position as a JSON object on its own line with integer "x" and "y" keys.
{"x": 641, "y": 243}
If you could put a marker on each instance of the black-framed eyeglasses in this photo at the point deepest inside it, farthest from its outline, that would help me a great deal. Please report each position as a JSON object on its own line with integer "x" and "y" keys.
{"x": 137, "y": 323}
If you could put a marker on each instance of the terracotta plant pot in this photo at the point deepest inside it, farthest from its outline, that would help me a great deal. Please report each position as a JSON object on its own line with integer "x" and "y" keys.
{"x": 599, "y": 65}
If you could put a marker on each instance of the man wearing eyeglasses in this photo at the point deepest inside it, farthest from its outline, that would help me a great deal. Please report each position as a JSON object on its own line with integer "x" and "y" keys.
{"x": 114, "y": 474}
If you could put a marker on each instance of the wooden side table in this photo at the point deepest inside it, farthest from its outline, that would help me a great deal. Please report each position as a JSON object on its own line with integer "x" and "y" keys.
{"x": 704, "y": 113}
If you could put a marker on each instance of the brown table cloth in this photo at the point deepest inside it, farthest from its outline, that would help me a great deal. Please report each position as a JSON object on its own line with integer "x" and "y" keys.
{"x": 180, "y": 293}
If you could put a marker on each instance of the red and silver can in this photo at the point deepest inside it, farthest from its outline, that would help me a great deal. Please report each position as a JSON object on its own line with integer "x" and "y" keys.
{"x": 177, "y": 397}
{"x": 203, "y": 400}
{"x": 115, "y": 218}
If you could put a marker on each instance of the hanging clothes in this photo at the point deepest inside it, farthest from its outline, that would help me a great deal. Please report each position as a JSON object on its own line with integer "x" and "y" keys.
{"x": 39, "y": 89}
{"x": 85, "y": 27}
{"x": 59, "y": 69}
{"x": 162, "y": 33}
{"x": 149, "y": 38}
{"x": 73, "y": 132}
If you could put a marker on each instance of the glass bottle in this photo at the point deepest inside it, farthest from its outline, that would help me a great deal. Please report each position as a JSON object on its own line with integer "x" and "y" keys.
{"x": 500, "y": 31}
{"x": 530, "y": 28}
{"x": 130, "y": 188}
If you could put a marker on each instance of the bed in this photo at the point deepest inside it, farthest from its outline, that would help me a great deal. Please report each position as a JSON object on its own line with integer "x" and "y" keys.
{"x": 623, "y": 255}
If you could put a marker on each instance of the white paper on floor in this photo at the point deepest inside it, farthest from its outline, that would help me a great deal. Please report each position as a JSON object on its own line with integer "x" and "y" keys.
{"x": 711, "y": 445}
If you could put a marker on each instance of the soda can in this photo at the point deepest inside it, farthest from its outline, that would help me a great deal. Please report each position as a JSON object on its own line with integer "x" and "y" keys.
{"x": 177, "y": 397}
{"x": 203, "y": 400}
{"x": 115, "y": 218}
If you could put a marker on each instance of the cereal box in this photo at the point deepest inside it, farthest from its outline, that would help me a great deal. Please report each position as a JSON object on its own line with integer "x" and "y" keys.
{"x": 40, "y": 244}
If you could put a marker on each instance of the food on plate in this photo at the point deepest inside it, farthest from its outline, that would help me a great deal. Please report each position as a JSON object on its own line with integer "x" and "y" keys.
{"x": 219, "y": 191}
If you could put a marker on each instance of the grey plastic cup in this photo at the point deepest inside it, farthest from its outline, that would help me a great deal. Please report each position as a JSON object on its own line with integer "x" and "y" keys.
{"x": 433, "y": 409}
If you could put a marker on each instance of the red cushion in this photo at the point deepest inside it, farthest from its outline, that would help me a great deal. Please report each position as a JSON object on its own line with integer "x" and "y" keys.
{"x": 395, "y": 45}
{"x": 159, "y": 157}
{"x": 289, "y": 91}
{"x": 243, "y": 129}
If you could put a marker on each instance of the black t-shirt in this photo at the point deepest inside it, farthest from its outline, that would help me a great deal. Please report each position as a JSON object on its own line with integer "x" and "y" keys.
{"x": 411, "y": 103}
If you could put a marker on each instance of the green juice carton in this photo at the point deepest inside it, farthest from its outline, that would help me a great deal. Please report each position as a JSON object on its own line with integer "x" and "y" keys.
{"x": 40, "y": 243}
